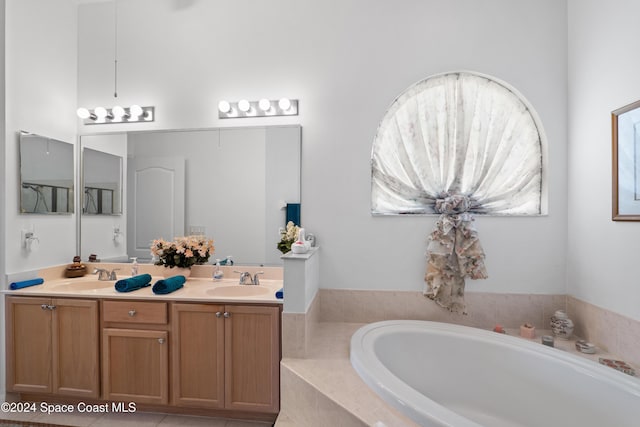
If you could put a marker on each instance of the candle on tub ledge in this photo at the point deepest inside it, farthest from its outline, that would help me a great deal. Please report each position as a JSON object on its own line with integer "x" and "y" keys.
{"x": 527, "y": 331}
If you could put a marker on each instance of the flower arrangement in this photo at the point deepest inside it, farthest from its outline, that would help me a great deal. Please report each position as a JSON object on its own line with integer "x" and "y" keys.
{"x": 182, "y": 252}
{"x": 288, "y": 236}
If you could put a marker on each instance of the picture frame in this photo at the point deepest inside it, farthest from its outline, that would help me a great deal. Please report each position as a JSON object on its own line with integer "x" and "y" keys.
{"x": 625, "y": 129}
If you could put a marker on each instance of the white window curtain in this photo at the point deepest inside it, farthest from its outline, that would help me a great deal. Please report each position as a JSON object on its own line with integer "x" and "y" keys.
{"x": 457, "y": 144}
{"x": 458, "y": 133}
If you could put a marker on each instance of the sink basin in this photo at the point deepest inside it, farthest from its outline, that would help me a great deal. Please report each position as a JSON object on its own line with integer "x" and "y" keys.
{"x": 238, "y": 291}
{"x": 83, "y": 286}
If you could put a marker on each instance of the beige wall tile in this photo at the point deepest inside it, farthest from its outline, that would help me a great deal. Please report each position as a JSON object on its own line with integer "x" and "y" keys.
{"x": 609, "y": 331}
{"x": 293, "y": 335}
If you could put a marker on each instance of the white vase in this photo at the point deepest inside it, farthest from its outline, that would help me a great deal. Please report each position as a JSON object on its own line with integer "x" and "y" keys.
{"x": 302, "y": 237}
{"x": 299, "y": 248}
{"x": 176, "y": 271}
{"x": 561, "y": 325}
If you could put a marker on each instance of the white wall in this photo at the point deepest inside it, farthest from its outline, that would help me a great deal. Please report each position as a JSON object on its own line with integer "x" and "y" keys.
{"x": 603, "y": 76}
{"x": 346, "y": 60}
{"x": 38, "y": 91}
{"x": 40, "y": 97}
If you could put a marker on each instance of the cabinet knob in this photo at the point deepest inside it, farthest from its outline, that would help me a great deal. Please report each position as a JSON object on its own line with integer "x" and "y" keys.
{"x": 218, "y": 314}
{"x": 132, "y": 313}
{"x": 51, "y": 307}
{"x": 227, "y": 314}
{"x": 44, "y": 306}
{"x": 161, "y": 340}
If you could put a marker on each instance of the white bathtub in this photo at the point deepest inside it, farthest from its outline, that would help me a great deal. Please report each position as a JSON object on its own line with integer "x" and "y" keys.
{"x": 440, "y": 374}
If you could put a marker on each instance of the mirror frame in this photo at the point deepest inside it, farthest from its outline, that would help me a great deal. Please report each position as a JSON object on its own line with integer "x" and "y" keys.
{"x": 616, "y": 144}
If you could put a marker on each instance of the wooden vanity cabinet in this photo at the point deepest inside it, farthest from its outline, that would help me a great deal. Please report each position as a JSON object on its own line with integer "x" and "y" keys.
{"x": 252, "y": 358}
{"x": 226, "y": 356}
{"x": 207, "y": 355}
{"x": 52, "y": 346}
{"x": 135, "y": 351}
{"x": 197, "y": 355}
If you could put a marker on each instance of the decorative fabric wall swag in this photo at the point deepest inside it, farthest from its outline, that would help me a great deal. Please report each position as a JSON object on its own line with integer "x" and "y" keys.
{"x": 454, "y": 252}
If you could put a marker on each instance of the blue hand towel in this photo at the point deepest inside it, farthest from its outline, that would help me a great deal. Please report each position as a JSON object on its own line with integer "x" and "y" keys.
{"x": 169, "y": 285}
{"x": 280, "y": 293}
{"x": 133, "y": 283}
{"x": 26, "y": 283}
{"x": 293, "y": 213}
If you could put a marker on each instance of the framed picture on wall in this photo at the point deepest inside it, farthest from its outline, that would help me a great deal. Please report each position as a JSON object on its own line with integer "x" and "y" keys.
{"x": 625, "y": 126}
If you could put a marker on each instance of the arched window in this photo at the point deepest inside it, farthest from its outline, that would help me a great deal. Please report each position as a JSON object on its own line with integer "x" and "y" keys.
{"x": 459, "y": 133}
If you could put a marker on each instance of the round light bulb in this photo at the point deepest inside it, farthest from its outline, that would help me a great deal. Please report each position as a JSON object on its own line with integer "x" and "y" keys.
{"x": 264, "y": 104}
{"x": 224, "y": 106}
{"x": 284, "y": 104}
{"x": 118, "y": 112}
{"x": 243, "y": 105}
{"x": 135, "y": 111}
{"x": 83, "y": 113}
{"x": 100, "y": 112}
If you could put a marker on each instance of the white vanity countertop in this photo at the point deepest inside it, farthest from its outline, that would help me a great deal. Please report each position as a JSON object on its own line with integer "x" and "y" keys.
{"x": 195, "y": 289}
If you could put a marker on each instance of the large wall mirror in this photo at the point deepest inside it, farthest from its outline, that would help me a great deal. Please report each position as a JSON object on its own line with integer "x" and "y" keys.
{"x": 230, "y": 184}
{"x": 46, "y": 175}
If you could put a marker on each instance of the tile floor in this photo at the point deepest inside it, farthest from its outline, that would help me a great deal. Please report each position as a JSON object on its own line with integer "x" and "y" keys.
{"x": 138, "y": 419}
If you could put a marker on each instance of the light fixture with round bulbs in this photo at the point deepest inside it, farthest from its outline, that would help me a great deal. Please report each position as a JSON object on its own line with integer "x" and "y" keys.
{"x": 117, "y": 114}
{"x": 262, "y": 108}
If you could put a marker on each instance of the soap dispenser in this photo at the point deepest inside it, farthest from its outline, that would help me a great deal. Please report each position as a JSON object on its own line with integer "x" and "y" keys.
{"x": 217, "y": 273}
{"x": 134, "y": 266}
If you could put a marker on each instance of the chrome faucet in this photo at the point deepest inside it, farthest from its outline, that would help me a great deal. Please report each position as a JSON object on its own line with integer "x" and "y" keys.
{"x": 104, "y": 274}
{"x": 256, "y": 281}
{"x": 245, "y": 277}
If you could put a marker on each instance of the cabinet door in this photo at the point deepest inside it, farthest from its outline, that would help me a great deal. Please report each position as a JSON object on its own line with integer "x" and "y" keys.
{"x": 75, "y": 347}
{"x": 197, "y": 355}
{"x": 135, "y": 365}
{"x": 252, "y": 358}
{"x": 28, "y": 344}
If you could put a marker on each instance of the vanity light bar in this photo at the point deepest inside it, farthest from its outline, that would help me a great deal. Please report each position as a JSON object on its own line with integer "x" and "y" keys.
{"x": 117, "y": 114}
{"x": 261, "y": 108}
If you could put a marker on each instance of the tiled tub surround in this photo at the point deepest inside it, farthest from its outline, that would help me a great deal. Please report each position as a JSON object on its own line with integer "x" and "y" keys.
{"x": 485, "y": 310}
{"x": 608, "y": 330}
{"x": 319, "y": 386}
